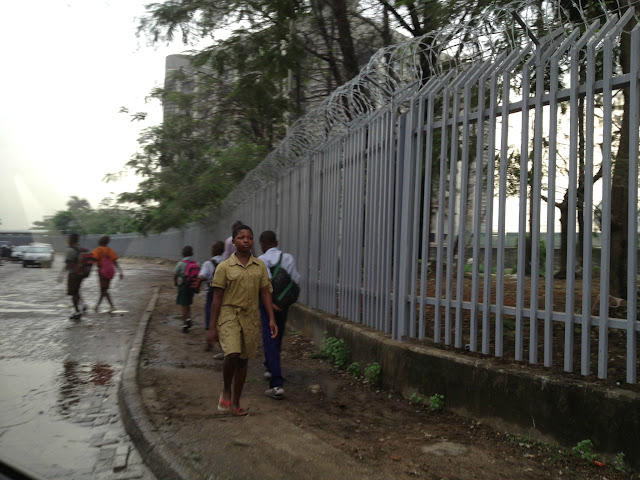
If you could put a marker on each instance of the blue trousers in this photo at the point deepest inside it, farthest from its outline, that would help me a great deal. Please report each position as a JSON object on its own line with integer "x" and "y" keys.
{"x": 273, "y": 346}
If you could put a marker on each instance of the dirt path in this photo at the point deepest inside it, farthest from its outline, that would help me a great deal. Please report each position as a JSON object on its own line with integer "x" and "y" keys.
{"x": 330, "y": 424}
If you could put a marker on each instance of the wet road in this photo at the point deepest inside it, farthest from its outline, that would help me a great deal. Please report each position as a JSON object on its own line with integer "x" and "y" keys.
{"x": 59, "y": 415}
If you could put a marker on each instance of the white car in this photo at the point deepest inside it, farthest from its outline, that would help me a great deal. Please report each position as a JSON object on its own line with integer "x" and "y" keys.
{"x": 37, "y": 255}
{"x": 17, "y": 253}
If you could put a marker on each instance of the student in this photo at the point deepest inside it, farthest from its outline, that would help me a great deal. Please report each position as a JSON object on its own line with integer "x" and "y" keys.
{"x": 185, "y": 296}
{"x": 74, "y": 276}
{"x": 206, "y": 275}
{"x": 107, "y": 260}
{"x": 273, "y": 346}
{"x": 235, "y": 320}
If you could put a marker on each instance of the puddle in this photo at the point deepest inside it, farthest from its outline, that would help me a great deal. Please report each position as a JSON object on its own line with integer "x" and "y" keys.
{"x": 34, "y": 398}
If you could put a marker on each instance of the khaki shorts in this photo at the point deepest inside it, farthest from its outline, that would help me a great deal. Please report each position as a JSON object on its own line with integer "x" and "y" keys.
{"x": 238, "y": 335}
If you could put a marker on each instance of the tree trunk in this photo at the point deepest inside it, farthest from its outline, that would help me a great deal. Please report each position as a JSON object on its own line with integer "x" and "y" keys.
{"x": 564, "y": 222}
{"x": 349, "y": 59}
{"x": 620, "y": 184}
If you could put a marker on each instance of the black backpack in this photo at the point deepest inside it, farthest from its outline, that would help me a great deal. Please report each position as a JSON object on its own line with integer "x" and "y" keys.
{"x": 285, "y": 291}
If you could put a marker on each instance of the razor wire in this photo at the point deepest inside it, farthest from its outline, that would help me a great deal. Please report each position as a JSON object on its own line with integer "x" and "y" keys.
{"x": 398, "y": 72}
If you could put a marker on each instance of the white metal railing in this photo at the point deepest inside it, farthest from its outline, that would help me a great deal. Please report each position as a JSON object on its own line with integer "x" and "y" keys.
{"x": 358, "y": 206}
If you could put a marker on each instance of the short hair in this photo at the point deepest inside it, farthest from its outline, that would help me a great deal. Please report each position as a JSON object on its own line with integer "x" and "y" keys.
{"x": 187, "y": 251}
{"x": 237, "y": 229}
{"x": 103, "y": 241}
{"x": 73, "y": 238}
{"x": 268, "y": 237}
{"x": 235, "y": 225}
{"x": 217, "y": 248}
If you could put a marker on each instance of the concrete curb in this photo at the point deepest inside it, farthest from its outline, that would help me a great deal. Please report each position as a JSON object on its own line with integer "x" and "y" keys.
{"x": 164, "y": 461}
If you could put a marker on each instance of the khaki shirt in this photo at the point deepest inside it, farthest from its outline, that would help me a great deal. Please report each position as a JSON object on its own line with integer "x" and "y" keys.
{"x": 241, "y": 285}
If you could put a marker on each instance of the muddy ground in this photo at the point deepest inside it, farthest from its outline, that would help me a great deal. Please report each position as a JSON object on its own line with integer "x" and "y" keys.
{"x": 341, "y": 425}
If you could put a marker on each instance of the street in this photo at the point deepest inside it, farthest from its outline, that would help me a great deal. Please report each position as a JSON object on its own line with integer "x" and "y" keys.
{"x": 59, "y": 378}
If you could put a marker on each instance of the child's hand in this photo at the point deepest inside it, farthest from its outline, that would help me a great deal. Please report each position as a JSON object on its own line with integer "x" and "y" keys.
{"x": 212, "y": 336}
{"x": 274, "y": 329}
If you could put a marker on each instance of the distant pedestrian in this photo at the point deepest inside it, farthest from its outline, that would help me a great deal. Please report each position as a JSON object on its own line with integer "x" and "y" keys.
{"x": 206, "y": 275}
{"x": 73, "y": 269}
{"x": 107, "y": 261}
{"x": 229, "y": 247}
{"x": 235, "y": 320}
{"x": 272, "y": 258}
{"x": 185, "y": 295}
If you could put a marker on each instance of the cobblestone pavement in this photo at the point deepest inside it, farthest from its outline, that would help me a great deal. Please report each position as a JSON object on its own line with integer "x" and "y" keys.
{"x": 59, "y": 378}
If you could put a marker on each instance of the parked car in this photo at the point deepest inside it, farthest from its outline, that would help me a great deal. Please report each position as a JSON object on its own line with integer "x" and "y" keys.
{"x": 18, "y": 252}
{"x": 37, "y": 255}
{"x": 48, "y": 245}
{"x": 5, "y": 249}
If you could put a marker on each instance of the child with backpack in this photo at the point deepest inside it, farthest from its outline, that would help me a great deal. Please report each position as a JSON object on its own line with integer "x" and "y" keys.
{"x": 107, "y": 261}
{"x": 76, "y": 270}
{"x": 185, "y": 277}
{"x": 206, "y": 274}
{"x": 285, "y": 281}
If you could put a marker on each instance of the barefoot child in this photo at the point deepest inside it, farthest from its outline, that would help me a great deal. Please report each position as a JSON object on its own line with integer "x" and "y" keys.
{"x": 235, "y": 319}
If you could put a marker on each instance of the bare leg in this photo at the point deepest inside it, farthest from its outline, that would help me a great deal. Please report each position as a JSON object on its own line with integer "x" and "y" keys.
{"x": 76, "y": 302}
{"x": 229, "y": 366}
{"x": 238, "y": 381}
{"x": 108, "y": 297}
{"x": 99, "y": 300}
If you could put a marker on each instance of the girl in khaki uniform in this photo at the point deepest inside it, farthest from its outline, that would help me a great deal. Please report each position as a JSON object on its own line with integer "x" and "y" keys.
{"x": 235, "y": 318}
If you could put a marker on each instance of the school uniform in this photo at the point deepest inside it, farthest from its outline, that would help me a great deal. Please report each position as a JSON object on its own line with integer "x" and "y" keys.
{"x": 239, "y": 318}
{"x": 273, "y": 346}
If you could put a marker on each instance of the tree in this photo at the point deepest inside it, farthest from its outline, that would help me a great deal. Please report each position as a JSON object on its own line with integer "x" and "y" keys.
{"x": 82, "y": 219}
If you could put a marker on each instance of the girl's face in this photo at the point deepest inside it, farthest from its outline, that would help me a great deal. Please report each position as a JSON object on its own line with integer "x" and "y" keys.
{"x": 243, "y": 240}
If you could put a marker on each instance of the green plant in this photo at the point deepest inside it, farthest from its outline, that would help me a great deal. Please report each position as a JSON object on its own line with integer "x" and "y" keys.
{"x": 372, "y": 373}
{"x": 436, "y": 402}
{"x": 336, "y": 351}
{"x": 354, "y": 369}
{"x": 415, "y": 399}
{"x": 619, "y": 463}
{"x": 584, "y": 450}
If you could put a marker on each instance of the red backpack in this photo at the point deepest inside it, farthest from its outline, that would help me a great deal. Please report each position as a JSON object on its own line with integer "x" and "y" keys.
{"x": 191, "y": 279}
{"x": 107, "y": 269}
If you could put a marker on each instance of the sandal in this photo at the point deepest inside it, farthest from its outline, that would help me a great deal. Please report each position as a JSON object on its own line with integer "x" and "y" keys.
{"x": 239, "y": 412}
{"x": 224, "y": 405}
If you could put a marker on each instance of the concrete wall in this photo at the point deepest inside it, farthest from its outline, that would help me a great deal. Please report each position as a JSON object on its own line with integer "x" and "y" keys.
{"x": 554, "y": 410}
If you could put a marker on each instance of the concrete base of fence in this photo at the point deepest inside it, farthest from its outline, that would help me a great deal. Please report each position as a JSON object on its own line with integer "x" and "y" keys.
{"x": 552, "y": 409}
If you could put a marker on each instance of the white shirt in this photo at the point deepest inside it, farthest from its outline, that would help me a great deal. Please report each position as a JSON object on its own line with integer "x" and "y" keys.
{"x": 208, "y": 269}
{"x": 229, "y": 248}
{"x": 271, "y": 257}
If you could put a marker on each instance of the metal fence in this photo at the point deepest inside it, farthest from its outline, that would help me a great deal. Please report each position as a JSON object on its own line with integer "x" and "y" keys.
{"x": 391, "y": 213}
{"x": 395, "y": 196}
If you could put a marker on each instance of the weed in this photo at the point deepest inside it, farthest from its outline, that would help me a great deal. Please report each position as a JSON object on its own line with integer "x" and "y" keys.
{"x": 336, "y": 351}
{"x": 619, "y": 463}
{"x": 436, "y": 402}
{"x": 415, "y": 399}
{"x": 584, "y": 450}
{"x": 354, "y": 369}
{"x": 372, "y": 373}
{"x": 509, "y": 324}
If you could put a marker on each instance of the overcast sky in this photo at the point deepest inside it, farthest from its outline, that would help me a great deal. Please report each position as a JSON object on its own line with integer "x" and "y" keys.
{"x": 67, "y": 68}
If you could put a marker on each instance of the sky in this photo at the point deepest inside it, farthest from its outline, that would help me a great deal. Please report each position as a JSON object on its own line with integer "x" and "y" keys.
{"x": 67, "y": 68}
